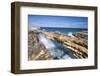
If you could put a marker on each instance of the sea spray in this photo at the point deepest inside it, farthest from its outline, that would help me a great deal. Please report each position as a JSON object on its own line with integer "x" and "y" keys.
{"x": 70, "y": 34}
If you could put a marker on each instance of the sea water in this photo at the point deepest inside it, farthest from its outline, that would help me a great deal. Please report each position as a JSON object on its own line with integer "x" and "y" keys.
{"x": 66, "y": 31}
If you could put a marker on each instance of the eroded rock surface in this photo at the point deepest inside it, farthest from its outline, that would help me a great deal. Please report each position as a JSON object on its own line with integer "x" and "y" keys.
{"x": 77, "y": 44}
{"x": 36, "y": 51}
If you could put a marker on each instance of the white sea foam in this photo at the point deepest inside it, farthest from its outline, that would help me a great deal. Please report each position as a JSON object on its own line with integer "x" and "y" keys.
{"x": 33, "y": 28}
{"x": 70, "y": 34}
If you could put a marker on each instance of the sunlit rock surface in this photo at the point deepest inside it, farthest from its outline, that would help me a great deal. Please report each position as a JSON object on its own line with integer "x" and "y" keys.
{"x": 41, "y": 47}
{"x": 36, "y": 51}
{"x": 77, "y": 44}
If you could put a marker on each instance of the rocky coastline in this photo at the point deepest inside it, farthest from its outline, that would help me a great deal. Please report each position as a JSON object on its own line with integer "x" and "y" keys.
{"x": 36, "y": 51}
{"x": 78, "y": 44}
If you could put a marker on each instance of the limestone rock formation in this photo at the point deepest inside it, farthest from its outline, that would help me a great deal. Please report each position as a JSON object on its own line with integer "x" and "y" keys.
{"x": 83, "y": 35}
{"x": 36, "y": 51}
{"x": 77, "y": 44}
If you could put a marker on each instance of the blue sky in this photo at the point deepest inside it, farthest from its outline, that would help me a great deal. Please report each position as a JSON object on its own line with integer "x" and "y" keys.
{"x": 57, "y": 21}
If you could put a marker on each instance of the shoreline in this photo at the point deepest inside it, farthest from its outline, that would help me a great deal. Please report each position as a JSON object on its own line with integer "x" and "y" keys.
{"x": 78, "y": 44}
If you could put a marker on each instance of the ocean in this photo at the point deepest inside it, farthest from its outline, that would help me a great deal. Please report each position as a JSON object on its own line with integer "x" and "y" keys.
{"x": 66, "y": 31}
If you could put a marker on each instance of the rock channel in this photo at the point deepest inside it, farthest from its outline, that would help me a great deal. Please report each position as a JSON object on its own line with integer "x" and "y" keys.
{"x": 78, "y": 44}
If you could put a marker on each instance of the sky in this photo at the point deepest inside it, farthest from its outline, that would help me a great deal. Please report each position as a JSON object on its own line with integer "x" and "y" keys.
{"x": 57, "y": 21}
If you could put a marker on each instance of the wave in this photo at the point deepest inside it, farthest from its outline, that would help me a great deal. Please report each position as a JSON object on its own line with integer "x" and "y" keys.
{"x": 70, "y": 34}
